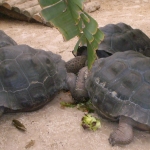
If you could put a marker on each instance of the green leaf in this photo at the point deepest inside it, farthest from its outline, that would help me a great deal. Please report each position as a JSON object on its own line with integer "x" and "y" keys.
{"x": 99, "y": 36}
{"x": 88, "y": 35}
{"x": 70, "y": 19}
{"x": 66, "y": 25}
{"x": 80, "y": 25}
{"x": 45, "y": 3}
{"x": 60, "y": 7}
{"x": 86, "y": 107}
{"x": 75, "y": 11}
{"x": 81, "y": 41}
{"x": 67, "y": 104}
{"x": 77, "y": 45}
{"x": 91, "y": 26}
{"x": 91, "y": 55}
{"x": 79, "y": 3}
{"x": 85, "y": 18}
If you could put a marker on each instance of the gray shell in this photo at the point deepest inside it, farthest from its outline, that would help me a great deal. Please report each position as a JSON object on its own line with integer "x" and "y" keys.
{"x": 120, "y": 85}
{"x": 29, "y": 78}
{"x": 5, "y": 40}
{"x": 122, "y": 37}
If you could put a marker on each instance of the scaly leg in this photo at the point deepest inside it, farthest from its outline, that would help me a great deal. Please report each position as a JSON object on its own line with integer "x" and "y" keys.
{"x": 123, "y": 134}
{"x": 80, "y": 90}
{"x": 76, "y": 85}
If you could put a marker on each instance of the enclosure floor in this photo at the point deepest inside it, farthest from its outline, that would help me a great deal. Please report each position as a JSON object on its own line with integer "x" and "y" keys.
{"x": 54, "y": 128}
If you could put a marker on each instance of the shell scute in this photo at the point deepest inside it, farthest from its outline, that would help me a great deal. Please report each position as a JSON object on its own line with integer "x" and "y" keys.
{"x": 47, "y": 63}
{"x": 36, "y": 72}
{"x": 23, "y": 100}
{"x": 11, "y": 76}
{"x": 142, "y": 95}
{"x": 37, "y": 93}
{"x": 147, "y": 76}
{"x": 112, "y": 71}
{"x": 126, "y": 84}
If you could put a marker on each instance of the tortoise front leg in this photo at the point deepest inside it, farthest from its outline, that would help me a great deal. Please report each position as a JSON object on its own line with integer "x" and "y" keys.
{"x": 81, "y": 93}
{"x": 76, "y": 85}
{"x": 123, "y": 134}
{"x": 71, "y": 83}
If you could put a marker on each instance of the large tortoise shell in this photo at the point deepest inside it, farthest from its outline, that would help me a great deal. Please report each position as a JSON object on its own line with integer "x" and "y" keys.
{"x": 122, "y": 37}
{"x": 29, "y": 77}
{"x": 120, "y": 85}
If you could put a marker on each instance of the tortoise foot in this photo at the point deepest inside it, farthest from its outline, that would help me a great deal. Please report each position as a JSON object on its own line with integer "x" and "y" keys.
{"x": 122, "y": 135}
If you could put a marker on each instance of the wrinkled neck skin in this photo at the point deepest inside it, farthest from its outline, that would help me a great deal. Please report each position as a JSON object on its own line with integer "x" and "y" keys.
{"x": 76, "y": 83}
{"x": 81, "y": 93}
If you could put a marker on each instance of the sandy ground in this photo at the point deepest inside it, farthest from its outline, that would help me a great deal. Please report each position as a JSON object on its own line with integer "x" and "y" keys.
{"x": 54, "y": 128}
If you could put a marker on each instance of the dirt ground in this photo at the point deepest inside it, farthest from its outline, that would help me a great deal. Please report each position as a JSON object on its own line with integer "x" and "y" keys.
{"x": 54, "y": 128}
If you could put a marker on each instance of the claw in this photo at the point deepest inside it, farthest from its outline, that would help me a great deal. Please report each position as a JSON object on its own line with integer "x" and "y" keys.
{"x": 111, "y": 141}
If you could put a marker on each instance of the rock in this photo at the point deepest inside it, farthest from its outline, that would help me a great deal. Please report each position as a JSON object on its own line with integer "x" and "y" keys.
{"x": 91, "y": 6}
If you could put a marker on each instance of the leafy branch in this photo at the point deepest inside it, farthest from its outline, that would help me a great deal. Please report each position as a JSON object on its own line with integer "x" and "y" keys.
{"x": 70, "y": 19}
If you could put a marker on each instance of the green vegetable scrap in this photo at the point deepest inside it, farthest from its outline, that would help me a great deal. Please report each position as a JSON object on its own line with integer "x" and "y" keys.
{"x": 85, "y": 107}
{"x": 67, "y": 104}
{"x": 90, "y": 122}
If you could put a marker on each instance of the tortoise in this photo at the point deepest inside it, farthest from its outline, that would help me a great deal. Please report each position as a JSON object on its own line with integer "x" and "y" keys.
{"x": 120, "y": 37}
{"x": 29, "y": 78}
{"x": 118, "y": 87}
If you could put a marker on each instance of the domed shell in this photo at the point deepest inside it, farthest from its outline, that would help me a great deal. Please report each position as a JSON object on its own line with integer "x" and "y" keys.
{"x": 29, "y": 77}
{"x": 5, "y": 40}
{"x": 122, "y": 37}
{"x": 120, "y": 85}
